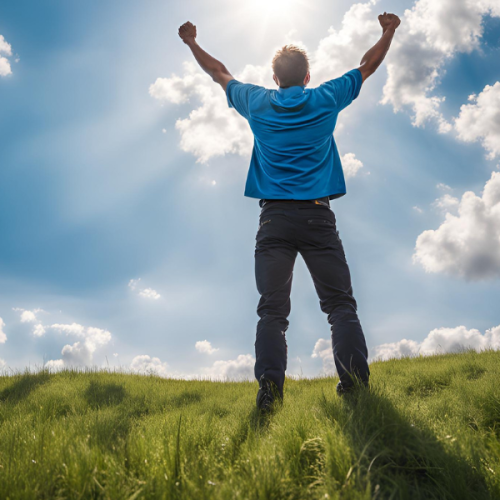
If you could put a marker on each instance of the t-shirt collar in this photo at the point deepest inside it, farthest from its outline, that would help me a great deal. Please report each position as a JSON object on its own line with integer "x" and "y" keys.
{"x": 291, "y": 91}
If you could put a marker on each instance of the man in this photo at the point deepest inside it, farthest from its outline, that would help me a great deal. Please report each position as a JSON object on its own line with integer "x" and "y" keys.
{"x": 295, "y": 170}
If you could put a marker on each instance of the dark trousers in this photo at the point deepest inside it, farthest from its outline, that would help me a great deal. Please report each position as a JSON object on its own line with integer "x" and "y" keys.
{"x": 285, "y": 229}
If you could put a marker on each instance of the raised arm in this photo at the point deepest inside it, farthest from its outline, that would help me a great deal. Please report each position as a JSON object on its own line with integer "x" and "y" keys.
{"x": 374, "y": 57}
{"x": 209, "y": 64}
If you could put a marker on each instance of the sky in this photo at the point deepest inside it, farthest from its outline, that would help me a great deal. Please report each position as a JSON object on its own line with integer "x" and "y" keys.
{"x": 126, "y": 241}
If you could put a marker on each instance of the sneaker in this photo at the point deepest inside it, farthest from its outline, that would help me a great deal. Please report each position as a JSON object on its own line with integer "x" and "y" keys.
{"x": 267, "y": 395}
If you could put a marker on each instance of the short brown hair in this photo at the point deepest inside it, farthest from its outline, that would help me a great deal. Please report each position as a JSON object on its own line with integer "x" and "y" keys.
{"x": 290, "y": 65}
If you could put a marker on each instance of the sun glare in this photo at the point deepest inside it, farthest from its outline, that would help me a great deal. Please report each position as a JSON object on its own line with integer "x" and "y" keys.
{"x": 272, "y": 7}
{"x": 275, "y": 11}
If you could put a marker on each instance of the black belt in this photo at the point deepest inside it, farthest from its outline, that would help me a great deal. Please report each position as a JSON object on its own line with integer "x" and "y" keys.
{"x": 325, "y": 201}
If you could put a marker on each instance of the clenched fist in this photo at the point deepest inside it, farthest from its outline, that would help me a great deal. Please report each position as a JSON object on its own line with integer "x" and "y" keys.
{"x": 187, "y": 32}
{"x": 389, "y": 21}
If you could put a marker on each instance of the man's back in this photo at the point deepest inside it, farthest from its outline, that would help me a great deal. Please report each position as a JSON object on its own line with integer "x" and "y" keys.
{"x": 294, "y": 153}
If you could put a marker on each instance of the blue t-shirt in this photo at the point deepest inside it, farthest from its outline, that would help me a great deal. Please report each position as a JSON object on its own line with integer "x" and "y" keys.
{"x": 294, "y": 154}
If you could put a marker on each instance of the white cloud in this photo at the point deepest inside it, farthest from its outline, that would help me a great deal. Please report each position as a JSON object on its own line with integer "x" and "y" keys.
{"x": 440, "y": 341}
{"x": 241, "y": 368}
{"x": 39, "y": 330}
{"x": 446, "y": 202}
{"x": 73, "y": 329}
{"x": 147, "y": 293}
{"x": 81, "y": 353}
{"x": 431, "y": 33}
{"x": 5, "y": 48}
{"x": 150, "y": 366}
{"x": 3, "y": 336}
{"x": 443, "y": 187}
{"x": 5, "y": 68}
{"x": 28, "y": 316}
{"x": 467, "y": 244}
{"x": 351, "y": 165}
{"x": 323, "y": 350}
{"x": 205, "y": 346}
{"x": 132, "y": 284}
{"x": 342, "y": 49}
{"x": 2, "y": 364}
{"x": 212, "y": 129}
{"x": 418, "y": 209}
{"x": 55, "y": 365}
{"x": 480, "y": 121}
{"x": 391, "y": 350}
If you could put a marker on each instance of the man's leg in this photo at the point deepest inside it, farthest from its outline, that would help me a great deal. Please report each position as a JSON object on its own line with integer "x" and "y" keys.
{"x": 274, "y": 261}
{"x": 324, "y": 255}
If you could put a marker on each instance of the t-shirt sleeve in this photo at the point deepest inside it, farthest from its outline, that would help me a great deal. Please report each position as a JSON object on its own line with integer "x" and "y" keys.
{"x": 239, "y": 95}
{"x": 345, "y": 89}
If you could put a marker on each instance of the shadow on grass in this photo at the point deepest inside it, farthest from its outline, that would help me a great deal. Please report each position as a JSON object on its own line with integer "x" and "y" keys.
{"x": 24, "y": 384}
{"x": 100, "y": 395}
{"x": 405, "y": 459}
{"x": 185, "y": 398}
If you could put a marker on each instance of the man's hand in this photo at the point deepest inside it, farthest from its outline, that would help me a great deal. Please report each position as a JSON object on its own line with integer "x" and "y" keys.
{"x": 389, "y": 21}
{"x": 187, "y": 32}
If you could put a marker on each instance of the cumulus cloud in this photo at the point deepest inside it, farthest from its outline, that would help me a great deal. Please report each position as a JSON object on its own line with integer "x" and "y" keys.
{"x": 3, "y": 336}
{"x": 81, "y": 353}
{"x": 440, "y": 341}
{"x": 467, "y": 244}
{"x": 212, "y": 129}
{"x": 446, "y": 202}
{"x": 2, "y": 364}
{"x": 418, "y": 209}
{"x": 6, "y": 50}
{"x": 150, "y": 366}
{"x": 341, "y": 50}
{"x": 323, "y": 350}
{"x": 480, "y": 121}
{"x": 147, "y": 293}
{"x": 431, "y": 33}
{"x": 55, "y": 364}
{"x": 443, "y": 187}
{"x": 28, "y": 316}
{"x": 38, "y": 330}
{"x": 351, "y": 165}
{"x": 241, "y": 368}
{"x": 205, "y": 346}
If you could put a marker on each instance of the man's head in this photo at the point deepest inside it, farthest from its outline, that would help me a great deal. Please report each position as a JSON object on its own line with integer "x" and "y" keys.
{"x": 291, "y": 67}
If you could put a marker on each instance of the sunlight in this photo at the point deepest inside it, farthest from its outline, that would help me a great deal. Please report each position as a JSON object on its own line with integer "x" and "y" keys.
{"x": 275, "y": 10}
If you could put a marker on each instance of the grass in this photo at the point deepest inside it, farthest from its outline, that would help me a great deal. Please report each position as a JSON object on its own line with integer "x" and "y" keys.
{"x": 428, "y": 429}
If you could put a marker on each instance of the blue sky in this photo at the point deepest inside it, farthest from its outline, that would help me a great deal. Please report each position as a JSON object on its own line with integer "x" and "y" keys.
{"x": 96, "y": 188}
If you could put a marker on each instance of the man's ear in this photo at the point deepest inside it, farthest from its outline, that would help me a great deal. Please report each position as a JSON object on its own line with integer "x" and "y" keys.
{"x": 275, "y": 78}
{"x": 307, "y": 79}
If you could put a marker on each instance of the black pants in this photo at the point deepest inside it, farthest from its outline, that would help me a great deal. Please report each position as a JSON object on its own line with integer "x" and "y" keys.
{"x": 286, "y": 229}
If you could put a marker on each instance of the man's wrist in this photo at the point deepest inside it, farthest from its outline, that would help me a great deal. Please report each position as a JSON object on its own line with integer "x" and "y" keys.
{"x": 390, "y": 29}
{"x": 190, "y": 41}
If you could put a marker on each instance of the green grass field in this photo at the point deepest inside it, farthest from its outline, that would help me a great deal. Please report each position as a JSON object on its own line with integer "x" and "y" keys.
{"x": 429, "y": 428}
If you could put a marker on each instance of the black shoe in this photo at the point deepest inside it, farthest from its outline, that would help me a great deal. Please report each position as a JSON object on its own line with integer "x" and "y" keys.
{"x": 267, "y": 395}
{"x": 343, "y": 390}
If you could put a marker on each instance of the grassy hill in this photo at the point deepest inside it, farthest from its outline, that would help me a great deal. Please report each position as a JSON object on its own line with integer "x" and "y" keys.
{"x": 428, "y": 429}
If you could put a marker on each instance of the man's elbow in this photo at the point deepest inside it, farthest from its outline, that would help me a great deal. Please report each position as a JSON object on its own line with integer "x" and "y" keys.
{"x": 219, "y": 73}
{"x": 367, "y": 70}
